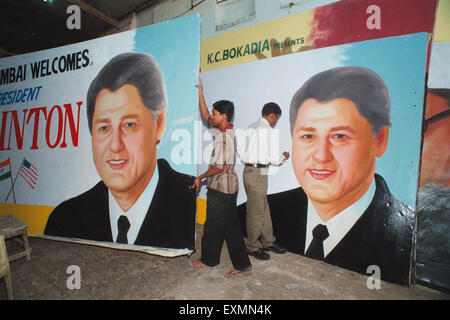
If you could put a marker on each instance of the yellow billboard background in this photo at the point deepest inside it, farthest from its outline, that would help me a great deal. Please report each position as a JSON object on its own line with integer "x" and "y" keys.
{"x": 265, "y": 40}
{"x": 34, "y": 216}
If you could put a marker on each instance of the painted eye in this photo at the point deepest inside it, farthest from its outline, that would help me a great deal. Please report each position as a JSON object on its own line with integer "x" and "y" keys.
{"x": 103, "y": 128}
{"x": 306, "y": 136}
{"x": 130, "y": 125}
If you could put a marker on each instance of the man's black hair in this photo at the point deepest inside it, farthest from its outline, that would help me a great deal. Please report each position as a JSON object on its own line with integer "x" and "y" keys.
{"x": 271, "y": 107}
{"x": 225, "y": 107}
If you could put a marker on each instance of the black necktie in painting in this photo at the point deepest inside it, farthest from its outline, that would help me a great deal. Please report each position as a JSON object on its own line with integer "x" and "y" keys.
{"x": 123, "y": 225}
{"x": 315, "y": 250}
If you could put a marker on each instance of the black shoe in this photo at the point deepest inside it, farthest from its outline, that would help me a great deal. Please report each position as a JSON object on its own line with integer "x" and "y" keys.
{"x": 276, "y": 249}
{"x": 260, "y": 254}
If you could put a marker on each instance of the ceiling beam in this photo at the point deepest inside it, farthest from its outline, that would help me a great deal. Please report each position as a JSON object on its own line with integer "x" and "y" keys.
{"x": 148, "y": 4}
{"x": 95, "y": 12}
{"x": 7, "y": 52}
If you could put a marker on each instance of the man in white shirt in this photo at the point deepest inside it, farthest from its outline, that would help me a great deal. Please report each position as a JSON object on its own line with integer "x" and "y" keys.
{"x": 258, "y": 147}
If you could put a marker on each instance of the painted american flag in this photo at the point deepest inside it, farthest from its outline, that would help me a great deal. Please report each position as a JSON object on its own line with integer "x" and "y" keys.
{"x": 29, "y": 173}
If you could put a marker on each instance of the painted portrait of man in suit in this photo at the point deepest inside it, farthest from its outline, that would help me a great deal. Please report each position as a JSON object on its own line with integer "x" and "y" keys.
{"x": 134, "y": 201}
{"x": 343, "y": 212}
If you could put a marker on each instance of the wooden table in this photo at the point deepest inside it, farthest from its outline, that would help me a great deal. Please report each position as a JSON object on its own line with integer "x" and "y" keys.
{"x": 11, "y": 227}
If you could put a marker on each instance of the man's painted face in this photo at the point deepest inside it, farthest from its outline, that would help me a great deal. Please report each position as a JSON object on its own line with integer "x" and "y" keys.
{"x": 124, "y": 138}
{"x": 334, "y": 151}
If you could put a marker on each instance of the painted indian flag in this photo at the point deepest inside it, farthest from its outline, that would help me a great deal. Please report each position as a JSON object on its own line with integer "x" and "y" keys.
{"x": 5, "y": 170}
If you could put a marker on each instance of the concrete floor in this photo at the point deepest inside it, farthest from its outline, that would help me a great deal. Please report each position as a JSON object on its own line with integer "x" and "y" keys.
{"x": 120, "y": 274}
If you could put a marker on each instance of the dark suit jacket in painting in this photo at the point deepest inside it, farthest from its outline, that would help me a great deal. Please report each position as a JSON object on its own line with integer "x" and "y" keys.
{"x": 169, "y": 223}
{"x": 383, "y": 235}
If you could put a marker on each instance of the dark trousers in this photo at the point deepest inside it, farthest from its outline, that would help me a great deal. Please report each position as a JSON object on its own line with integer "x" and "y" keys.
{"x": 222, "y": 223}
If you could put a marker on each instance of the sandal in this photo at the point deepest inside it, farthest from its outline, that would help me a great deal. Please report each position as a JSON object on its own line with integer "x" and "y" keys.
{"x": 239, "y": 273}
{"x": 197, "y": 263}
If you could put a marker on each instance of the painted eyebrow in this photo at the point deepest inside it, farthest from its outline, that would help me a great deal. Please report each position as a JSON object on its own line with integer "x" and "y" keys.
{"x": 343, "y": 128}
{"x": 307, "y": 129}
{"x": 125, "y": 117}
{"x": 129, "y": 116}
{"x": 102, "y": 120}
{"x": 340, "y": 128}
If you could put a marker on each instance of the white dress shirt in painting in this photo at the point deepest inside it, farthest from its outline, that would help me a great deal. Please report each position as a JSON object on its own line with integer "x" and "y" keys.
{"x": 340, "y": 224}
{"x": 136, "y": 214}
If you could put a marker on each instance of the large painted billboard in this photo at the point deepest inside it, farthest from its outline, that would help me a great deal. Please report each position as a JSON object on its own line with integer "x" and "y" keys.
{"x": 341, "y": 22}
{"x": 88, "y": 133}
{"x": 380, "y": 170}
{"x": 271, "y": 61}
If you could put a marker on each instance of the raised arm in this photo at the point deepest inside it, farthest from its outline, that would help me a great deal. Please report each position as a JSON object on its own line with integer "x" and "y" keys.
{"x": 201, "y": 100}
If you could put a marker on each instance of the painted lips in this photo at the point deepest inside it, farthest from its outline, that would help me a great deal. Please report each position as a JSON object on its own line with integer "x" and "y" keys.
{"x": 117, "y": 164}
{"x": 321, "y": 174}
